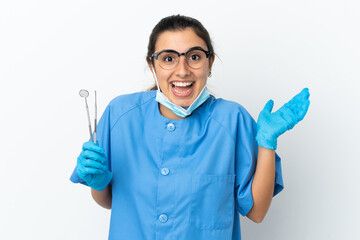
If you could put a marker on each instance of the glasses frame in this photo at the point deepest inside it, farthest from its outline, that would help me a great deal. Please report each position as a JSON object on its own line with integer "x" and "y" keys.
{"x": 156, "y": 55}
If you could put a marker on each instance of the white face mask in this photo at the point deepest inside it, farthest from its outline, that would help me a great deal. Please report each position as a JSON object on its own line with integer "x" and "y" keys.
{"x": 178, "y": 110}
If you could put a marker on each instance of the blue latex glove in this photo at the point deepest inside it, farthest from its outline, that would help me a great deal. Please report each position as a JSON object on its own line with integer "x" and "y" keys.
{"x": 271, "y": 125}
{"x": 91, "y": 166}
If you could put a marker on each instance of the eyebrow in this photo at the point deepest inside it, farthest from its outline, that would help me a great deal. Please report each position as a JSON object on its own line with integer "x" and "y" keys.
{"x": 172, "y": 50}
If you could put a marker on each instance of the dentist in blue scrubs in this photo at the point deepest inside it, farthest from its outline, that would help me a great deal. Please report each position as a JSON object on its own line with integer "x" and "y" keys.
{"x": 176, "y": 163}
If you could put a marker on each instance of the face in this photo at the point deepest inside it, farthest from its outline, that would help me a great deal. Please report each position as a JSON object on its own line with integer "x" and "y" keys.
{"x": 182, "y": 84}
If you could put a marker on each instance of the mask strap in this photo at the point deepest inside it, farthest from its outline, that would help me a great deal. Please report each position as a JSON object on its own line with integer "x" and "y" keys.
{"x": 154, "y": 75}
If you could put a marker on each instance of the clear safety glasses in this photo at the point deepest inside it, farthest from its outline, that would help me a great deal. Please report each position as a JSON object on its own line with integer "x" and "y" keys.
{"x": 195, "y": 57}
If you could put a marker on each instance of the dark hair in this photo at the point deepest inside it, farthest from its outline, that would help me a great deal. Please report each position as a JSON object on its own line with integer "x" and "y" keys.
{"x": 173, "y": 23}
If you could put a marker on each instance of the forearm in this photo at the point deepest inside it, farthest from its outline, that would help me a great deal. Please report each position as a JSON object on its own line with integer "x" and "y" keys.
{"x": 104, "y": 197}
{"x": 263, "y": 184}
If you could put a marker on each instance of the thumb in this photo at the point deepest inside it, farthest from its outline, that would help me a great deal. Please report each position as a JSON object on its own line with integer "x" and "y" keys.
{"x": 269, "y": 106}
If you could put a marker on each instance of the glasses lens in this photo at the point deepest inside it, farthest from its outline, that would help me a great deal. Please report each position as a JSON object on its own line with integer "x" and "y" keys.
{"x": 168, "y": 60}
{"x": 196, "y": 58}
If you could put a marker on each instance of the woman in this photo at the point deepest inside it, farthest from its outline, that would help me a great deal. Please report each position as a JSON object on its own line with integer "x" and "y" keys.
{"x": 177, "y": 163}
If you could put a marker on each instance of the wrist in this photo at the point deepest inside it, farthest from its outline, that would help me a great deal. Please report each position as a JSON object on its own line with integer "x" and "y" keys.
{"x": 266, "y": 142}
{"x": 267, "y": 150}
{"x": 103, "y": 182}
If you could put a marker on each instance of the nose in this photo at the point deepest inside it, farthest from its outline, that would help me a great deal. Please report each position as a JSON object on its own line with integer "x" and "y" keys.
{"x": 182, "y": 68}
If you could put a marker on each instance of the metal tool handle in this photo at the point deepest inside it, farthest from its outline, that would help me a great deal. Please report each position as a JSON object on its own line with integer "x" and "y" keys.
{"x": 87, "y": 110}
{"x": 95, "y": 121}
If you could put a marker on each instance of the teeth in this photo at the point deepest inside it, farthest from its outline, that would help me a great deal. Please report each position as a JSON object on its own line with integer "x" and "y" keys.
{"x": 182, "y": 92}
{"x": 182, "y": 84}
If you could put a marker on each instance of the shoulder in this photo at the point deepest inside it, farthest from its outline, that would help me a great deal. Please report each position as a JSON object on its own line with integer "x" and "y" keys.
{"x": 228, "y": 111}
{"x": 132, "y": 100}
{"x": 127, "y": 103}
{"x": 232, "y": 117}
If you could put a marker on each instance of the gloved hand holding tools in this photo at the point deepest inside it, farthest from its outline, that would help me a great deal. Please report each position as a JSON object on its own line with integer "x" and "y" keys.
{"x": 92, "y": 167}
{"x": 271, "y": 125}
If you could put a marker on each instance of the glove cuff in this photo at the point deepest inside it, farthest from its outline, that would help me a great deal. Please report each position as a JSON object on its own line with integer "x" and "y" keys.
{"x": 103, "y": 184}
{"x": 269, "y": 143}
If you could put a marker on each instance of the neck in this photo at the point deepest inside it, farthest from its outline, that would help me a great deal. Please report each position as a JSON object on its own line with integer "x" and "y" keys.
{"x": 167, "y": 113}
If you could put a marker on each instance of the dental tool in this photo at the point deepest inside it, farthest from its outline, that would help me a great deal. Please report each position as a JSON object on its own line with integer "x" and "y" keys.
{"x": 95, "y": 120}
{"x": 84, "y": 94}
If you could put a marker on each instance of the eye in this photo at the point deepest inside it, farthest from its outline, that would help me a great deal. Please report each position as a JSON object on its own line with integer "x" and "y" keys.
{"x": 168, "y": 59}
{"x": 194, "y": 57}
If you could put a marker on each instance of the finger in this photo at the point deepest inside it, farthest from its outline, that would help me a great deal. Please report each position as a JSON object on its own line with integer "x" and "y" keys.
{"x": 302, "y": 96}
{"x": 288, "y": 115}
{"x": 93, "y": 147}
{"x": 304, "y": 110}
{"x": 299, "y": 99}
{"x": 86, "y": 170}
{"x": 89, "y": 163}
{"x": 295, "y": 106}
{"x": 269, "y": 106}
{"x": 305, "y": 93}
{"x": 94, "y": 156}
{"x": 299, "y": 109}
{"x": 89, "y": 170}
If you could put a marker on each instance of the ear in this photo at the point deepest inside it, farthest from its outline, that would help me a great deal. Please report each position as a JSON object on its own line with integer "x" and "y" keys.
{"x": 149, "y": 64}
{"x": 152, "y": 69}
{"x": 212, "y": 61}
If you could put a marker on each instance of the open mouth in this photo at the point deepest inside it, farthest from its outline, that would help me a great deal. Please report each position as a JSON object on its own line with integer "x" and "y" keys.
{"x": 182, "y": 88}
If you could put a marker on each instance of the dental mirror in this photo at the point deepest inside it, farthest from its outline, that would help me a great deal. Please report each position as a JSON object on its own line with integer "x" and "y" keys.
{"x": 84, "y": 93}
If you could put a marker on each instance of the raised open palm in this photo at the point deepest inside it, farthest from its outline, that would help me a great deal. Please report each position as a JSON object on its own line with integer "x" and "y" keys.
{"x": 271, "y": 125}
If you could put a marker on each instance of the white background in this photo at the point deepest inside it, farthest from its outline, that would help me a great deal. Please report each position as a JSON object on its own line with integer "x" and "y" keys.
{"x": 49, "y": 50}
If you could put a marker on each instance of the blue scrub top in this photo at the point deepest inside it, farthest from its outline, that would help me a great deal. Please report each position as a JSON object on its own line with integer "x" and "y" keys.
{"x": 179, "y": 179}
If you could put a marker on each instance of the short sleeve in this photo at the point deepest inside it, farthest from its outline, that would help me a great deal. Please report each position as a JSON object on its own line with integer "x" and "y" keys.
{"x": 103, "y": 138}
{"x": 246, "y": 159}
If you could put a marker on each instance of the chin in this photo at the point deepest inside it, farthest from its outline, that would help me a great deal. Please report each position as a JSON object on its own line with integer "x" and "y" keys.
{"x": 183, "y": 103}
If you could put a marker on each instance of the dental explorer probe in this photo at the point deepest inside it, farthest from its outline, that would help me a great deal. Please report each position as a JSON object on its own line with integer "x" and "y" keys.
{"x": 95, "y": 120}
